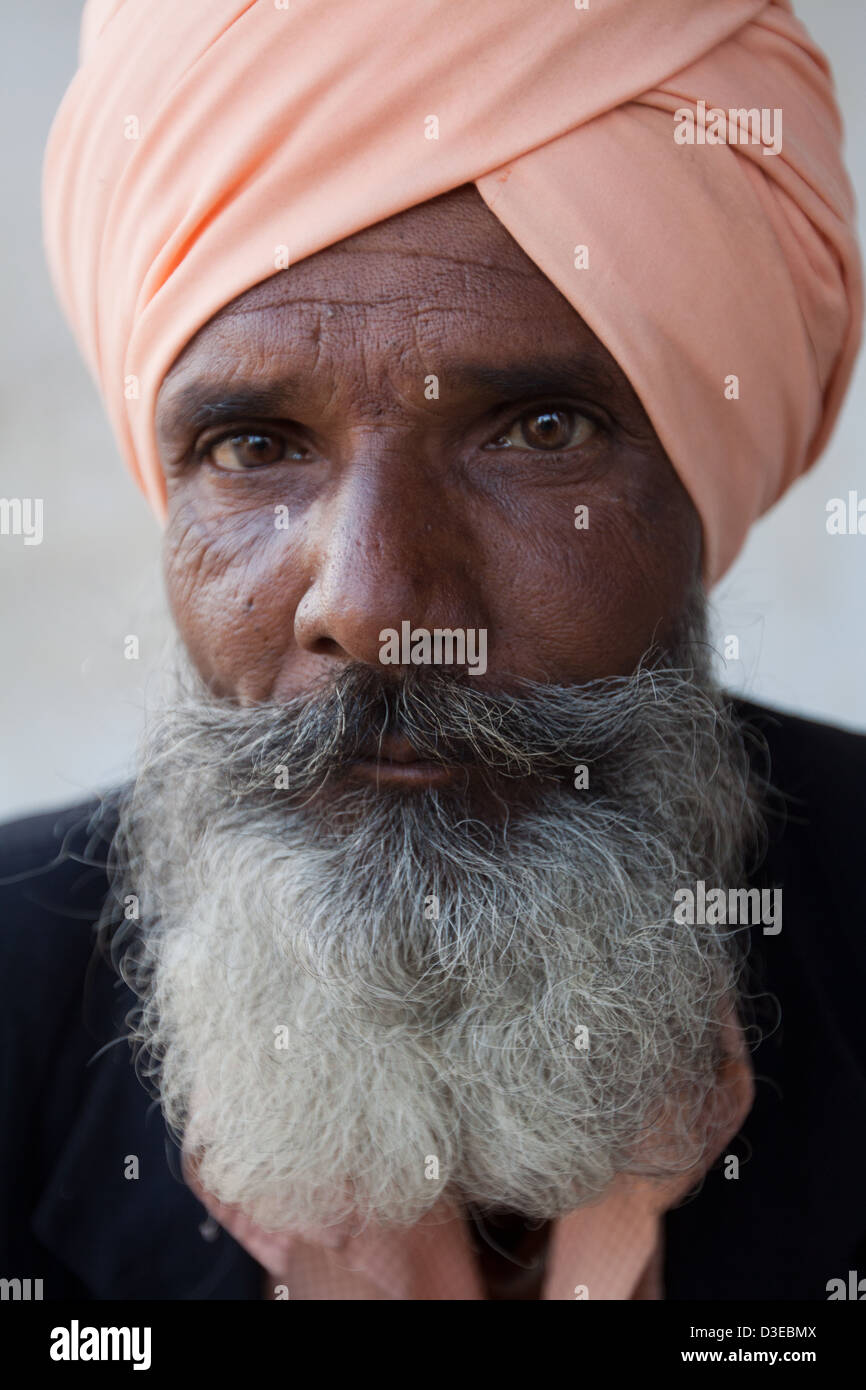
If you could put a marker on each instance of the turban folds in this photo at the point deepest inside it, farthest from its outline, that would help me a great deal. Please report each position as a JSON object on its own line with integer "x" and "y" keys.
{"x": 198, "y": 136}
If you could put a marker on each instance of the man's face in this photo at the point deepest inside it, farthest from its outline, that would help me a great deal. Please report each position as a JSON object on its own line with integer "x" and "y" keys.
{"x": 436, "y": 959}
{"x": 394, "y": 505}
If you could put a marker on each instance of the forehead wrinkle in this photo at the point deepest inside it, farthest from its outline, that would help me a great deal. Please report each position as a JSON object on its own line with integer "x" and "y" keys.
{"x": 402, "y": 252}
{"x": 278, "y": 289}
{"x": 315, "y": 314}
{"x": 330, "y": 301}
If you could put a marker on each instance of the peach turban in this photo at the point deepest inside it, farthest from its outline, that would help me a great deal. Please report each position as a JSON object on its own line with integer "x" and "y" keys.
{"x": 204, "y": 144}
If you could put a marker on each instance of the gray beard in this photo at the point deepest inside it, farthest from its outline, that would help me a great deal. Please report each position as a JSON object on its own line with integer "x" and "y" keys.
{"x": 353, "y": 1002}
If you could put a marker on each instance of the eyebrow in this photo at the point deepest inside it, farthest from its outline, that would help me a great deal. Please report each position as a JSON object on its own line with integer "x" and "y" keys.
{"x": 541, "y": 376}
{"x": 205, "y": 401}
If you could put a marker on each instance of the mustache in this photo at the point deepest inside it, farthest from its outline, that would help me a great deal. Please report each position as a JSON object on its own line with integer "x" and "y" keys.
{"x": 532, "y": 730}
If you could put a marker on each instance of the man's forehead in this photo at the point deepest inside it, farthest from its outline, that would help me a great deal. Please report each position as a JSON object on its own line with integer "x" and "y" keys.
{"x": 446, "y": 259}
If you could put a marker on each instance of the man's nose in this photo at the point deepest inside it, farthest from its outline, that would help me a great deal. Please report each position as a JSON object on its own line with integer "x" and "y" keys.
{"x": 390, "y": 543}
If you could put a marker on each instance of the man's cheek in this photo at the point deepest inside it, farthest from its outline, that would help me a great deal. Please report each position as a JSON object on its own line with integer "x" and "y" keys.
{"x": 594, "y": 557}
{"x": 635, "y": 551}
{"x": 593, "y": 602}
{"x": 231, "y": 599}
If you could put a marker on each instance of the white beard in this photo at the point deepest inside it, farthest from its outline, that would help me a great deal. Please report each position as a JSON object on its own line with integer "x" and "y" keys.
{"x": 349, "y": 1052}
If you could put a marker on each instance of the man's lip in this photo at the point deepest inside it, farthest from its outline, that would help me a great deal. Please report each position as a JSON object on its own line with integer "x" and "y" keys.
{"x": 386, "y": 772}
{"x": 392, "y": 761}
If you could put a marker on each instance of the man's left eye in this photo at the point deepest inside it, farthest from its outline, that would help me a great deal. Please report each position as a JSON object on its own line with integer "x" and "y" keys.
{"x": 546, "y": 429}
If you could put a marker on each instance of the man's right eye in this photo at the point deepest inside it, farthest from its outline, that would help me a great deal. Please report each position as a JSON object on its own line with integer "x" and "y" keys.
{"x": 246, "y": 450}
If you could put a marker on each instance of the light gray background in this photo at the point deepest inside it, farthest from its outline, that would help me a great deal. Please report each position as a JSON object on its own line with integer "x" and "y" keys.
{"x": 70, "y": 704}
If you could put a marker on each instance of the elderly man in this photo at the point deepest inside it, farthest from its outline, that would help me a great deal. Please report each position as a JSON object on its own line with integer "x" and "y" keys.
{"x": 459, "y": 923}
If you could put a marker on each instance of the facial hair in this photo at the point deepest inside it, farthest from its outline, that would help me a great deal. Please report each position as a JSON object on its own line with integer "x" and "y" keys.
{"x": 353, "y": 999}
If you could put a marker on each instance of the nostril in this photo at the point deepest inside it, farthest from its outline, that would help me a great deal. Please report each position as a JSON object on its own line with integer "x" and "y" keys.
{"x": 325, "y": 646}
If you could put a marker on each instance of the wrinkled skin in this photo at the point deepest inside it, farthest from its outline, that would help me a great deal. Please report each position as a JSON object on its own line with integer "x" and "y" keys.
{"x": 401, "y": 507}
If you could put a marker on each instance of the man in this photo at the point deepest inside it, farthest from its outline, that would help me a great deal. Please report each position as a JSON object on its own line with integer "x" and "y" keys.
{"x": 462, "y": 928}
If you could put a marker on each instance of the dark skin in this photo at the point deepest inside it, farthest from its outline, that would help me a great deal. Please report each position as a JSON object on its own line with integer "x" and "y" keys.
{"x": 450, "y": 512}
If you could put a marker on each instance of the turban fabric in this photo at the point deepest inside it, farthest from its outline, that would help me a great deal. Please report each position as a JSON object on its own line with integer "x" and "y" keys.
{"x": 199, "y": 136}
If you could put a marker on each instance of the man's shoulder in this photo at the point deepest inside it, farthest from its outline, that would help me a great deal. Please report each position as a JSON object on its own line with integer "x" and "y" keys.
{"x": 796, "y": 1216}
{"x": 46, "y": 841}
{"x": 53, "y": 884}
{"x": 53, "y": 876}
{"x": 806, "y": 753}
{"x": 56, "y": 993}
{"x": 813, "y": 776}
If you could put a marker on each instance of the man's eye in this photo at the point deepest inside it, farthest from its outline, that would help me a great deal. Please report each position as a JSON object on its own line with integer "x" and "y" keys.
{"x": 238, "y": 453}
{"x": 546, "y": 429}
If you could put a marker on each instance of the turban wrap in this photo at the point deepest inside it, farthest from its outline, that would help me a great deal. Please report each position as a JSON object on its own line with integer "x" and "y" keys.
{"x": 198, "y": 136}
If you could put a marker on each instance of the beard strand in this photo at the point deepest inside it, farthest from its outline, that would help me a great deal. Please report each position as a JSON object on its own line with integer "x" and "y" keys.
{"x": 353, "y": 1000}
